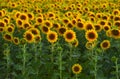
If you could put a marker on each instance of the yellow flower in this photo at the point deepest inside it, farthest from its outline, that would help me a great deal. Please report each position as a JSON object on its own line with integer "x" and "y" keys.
{"x": 91, "y": 35}
{"x": 76, "y": 68}
{"x": 69, "y": 36}
{"x": 52, "y": 36}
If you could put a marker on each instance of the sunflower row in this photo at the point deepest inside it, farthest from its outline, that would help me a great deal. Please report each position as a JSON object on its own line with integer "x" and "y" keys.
{"x": 30, "y": 19}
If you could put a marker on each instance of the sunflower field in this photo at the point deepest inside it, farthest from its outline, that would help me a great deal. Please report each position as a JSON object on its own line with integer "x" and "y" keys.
{"x": 59, "y": 39}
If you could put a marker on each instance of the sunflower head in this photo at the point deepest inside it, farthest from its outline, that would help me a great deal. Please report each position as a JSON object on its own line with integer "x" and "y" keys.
{"x": 89, "y": 26}
{"x": 80, "y": 25}
{"x": 69, "y": 36}
{"x": 98, "y": 27}
{"x": 76, "y": 68}
{"x": 52, "y": 36}
{"x": 16, "y": 40}
{"x": 7, "y": 37}
{"x": 91, "y": 35}
{"x": 105, "y": 44}
{"x": 29, "y": 37}
{"x": 115, "y": 33}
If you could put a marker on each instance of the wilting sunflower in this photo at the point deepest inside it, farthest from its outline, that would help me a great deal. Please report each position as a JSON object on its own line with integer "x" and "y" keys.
{"x": 7, "y": 37}
{"x": 90, "y": 45}
{"x": 52, "y": 36}
{"x": 29, "y": 37}
{"x": 98, "y": 27}
{"x": 115, "y": 33}
{"x": 75, "y": 43}
{"x": 89, "y": 26}
{"x": 76, "y": 68}
{"x": 16, "y": 40}
{"x": 80, "y": 25}
{"x": 91, "y": 35}
{"x": 105, "y": 44}
{"x": 37, "y": 38}
{"x": 69, "y": 36}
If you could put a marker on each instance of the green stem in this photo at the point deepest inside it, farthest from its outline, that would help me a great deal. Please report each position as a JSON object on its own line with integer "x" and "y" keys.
{"x": 95, "y": 65}
{"x": 52, "y": 55}
{"x": 60, "y": 59}
{"x": 8, "y": 62}
{"x": 117, "y": 72}
{"x": 76, "y": 76}
{"x": 24, "y": 59}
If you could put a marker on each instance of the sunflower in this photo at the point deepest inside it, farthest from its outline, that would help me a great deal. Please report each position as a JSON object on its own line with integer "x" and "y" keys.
{"x": 28, "y": 36}
{"x": 69, "y": 36}
{"x": 90, "y": 45}
{"x": 23, "y": 17}
{"x": 102, "y": 22}
{"x": 116, "y": 12}
{"x": 89, "y": 26}
{"x": 6, "y": 20}
{"x": 1, "y": 13}
{"x": 75, "y": 43}
{"x": 56, "y": 25}
{"x": 65, "y": 20}
{"x": 30, "y": 16}
{"x": 39, "y": 20}
{"x": 98, "y": 15}
{"x": 7, "y": 37}
{"x": 91, "y": 35}
{"x": 16, "y": 40}
{"x": 2, "y": 29}
{"x": 19, "y": 22}
{"x": 17, "y": 14}
{"x": 98, "y": 27}
{"x": 52, "y": 36}
{"x": 80, "y": 25}
{"x": 74, "y": 21}
{"x": 45, "y": 29}
{"x": 10, "y": 29}
{"x": 76, "y": 68}
{"x": 26, "y": 25}
{"x": 37, "y": 38}
{"x": 116, "y": 18}
{"x": 117, "y": 24}
{"x": 115, "y": 33}
{"x": 48, "y": 23}
{"x": 69, "y": 25}
{"x": 62, "y": 30}
{"x": 106, "y": 27}
{"x": 34, "y": 31}
{"x": 105, "y": 44}
{"x": 2, "y": 23}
